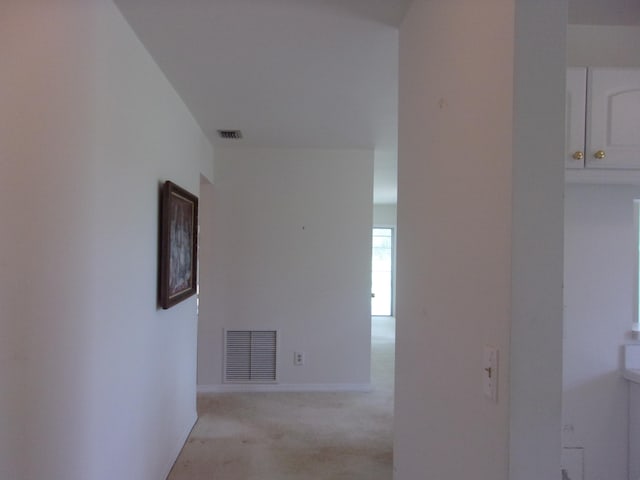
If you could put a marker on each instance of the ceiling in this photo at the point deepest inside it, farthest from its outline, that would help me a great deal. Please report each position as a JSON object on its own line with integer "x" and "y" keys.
{"x": 298, "y": 73}
{"x": 288, "y": 73}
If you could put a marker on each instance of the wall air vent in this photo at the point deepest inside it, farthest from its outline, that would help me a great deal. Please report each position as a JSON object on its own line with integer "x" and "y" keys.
{"x": 250, "y": 356}
{"x": 230, "y": 134}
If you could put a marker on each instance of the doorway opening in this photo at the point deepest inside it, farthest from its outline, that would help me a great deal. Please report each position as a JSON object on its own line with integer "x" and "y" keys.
{"x": 383, "y": 323}
{"x": 382, "y": 272}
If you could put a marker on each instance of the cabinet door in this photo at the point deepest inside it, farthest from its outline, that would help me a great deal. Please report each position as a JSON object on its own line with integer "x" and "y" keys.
{"x": 575, "y": 117}
{"x": 613, "y": 118}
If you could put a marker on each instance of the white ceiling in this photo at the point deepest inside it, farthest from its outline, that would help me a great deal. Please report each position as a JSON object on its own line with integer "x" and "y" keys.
{"x": 288, "y": 73}
{"x": 298, "y": 73}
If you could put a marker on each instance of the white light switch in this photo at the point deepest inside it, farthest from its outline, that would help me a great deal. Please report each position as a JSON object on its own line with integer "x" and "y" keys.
{"x": 490, "y": 373}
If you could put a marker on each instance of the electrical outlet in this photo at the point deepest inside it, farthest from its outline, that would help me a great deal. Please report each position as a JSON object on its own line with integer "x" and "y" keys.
{"x": 298, "y": 358}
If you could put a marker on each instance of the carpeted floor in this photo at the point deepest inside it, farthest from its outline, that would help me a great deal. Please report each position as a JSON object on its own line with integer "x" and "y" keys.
{"x": 301, "y": 436}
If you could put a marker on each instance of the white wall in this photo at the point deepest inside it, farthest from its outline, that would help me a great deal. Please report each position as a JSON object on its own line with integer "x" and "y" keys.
{"x": 13, "y": 285}
{"x": 598, "y": 286}
{"x": 46, "y": 177}
{"x": 384, "y": 214}
{"x": 604, "y": 12}
{"x": 603, "y": 46}
{"x": 90, "y": 128}
{"x": 290, "y": 245}
{"x": 385, "y": 177}
{"x": 599, "y": 252}
{"x": 471, "y": 201}
{"x": 13, "y": 251}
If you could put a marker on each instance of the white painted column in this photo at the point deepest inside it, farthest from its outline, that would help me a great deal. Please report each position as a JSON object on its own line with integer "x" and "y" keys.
{"x": 537, "y": 240}
{"x": 480, "y": 238}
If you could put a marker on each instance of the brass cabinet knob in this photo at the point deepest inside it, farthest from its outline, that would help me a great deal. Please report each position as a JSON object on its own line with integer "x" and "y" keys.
{"x": 599, "y": 154}
{"x": 578, "y": 155}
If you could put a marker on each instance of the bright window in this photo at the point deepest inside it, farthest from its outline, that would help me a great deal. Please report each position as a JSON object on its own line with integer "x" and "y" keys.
{"x": 382, "y": 272}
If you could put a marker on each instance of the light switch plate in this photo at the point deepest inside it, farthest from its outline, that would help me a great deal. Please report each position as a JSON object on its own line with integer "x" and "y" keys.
{"x": 490, "y": 373}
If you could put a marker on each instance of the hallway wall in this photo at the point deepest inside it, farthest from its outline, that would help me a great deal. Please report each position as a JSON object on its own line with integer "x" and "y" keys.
{"x": 290, "y": 246}
{"x": 101, "y": 382}
{"x": 385, "y": 215}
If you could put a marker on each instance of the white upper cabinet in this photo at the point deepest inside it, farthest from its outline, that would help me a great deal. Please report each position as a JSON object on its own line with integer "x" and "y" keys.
{"x": 603, "y": 121}
{"x": 576, "y": 114}
{"x": 613, "y": 119}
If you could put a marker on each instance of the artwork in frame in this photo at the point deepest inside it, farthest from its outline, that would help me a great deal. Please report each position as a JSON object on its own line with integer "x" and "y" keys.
{"x": 178, "y": 245}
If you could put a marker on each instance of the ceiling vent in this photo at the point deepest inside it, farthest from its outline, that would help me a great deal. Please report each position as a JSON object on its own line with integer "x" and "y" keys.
{"x": 230, "y": 134}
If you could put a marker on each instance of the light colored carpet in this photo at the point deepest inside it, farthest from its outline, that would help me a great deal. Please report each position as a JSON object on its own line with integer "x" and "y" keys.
{"x": 301, "y": 436}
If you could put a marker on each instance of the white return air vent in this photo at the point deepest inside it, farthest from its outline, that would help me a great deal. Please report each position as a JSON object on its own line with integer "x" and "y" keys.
{"x": 250, "y": 356}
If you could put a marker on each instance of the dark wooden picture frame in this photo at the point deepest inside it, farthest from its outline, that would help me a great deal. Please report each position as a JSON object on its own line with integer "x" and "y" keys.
{"x": 178, "y": 245}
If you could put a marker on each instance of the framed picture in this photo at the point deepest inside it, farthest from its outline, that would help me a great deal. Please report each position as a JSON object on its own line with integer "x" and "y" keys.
{"x": 178, "y": 244}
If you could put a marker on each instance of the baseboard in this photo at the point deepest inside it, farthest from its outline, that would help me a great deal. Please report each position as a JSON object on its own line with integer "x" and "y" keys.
{"x": 180, "y": 445}
{"x": 286, "y": 387}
